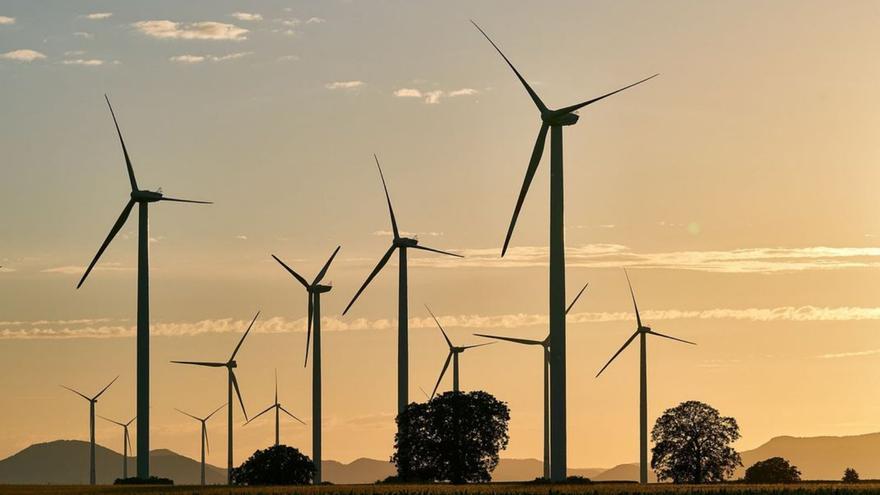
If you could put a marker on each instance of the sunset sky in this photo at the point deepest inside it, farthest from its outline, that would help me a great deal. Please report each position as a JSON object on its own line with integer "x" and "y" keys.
{"x": 739, "y": 189}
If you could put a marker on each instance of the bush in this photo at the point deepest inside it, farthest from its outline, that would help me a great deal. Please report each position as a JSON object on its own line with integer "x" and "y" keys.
{"x": 850, "y": 475}
{"x": 152, "y": 480}
{"x": 772, "y": 470}
{"x": 278, "y": 465}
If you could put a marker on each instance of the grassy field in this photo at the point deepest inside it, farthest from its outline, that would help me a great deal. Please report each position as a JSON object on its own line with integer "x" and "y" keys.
{"x": 483, "y": 489}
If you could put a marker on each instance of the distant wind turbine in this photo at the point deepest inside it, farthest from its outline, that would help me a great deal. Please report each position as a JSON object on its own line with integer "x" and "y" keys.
{"x": 278, "y": 407}
{"x": 142, "y": 198}
{"x": 92, "y": 402}
{"x": 126, "y": 442}
{"x": 230, "y": 366}
{"x": 454, "y": 351}
{"x": 642, "y": 332}
{"x": 545, "y": 345}
{"x": 314, "y": 290}
{"x": 554, "y": 121}
{"x": 204, "y": 435}
{"x": 401, "y": 244}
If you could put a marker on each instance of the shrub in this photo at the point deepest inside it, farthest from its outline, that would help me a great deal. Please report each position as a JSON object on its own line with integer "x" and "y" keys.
{"x": 772, "y": 470}
{"x": 850, "y": 475}
{"x": 278, "y": 465}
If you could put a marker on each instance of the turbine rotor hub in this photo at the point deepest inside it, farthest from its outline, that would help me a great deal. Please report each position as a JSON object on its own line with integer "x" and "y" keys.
{"x": 406, "y": 242}
{"x": 556, "y": 119}
{"x": 144, "y": 196}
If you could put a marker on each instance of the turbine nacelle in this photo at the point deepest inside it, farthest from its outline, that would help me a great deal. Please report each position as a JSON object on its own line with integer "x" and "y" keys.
{"x": 145, "y": 196}
{"x": 232, "y": 364}
{"x": 405, "y": 242}
{"x": 560, "y": 119}
{"x": 319, "y": 289}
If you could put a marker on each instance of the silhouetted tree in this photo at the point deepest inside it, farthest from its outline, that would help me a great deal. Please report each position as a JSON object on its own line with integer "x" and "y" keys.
{"x": 692, "y": 444}
{"x": 277, "y": 465}
{"x": 772, "y": 470}
{"x": 455, "y": 437}
{"x": 850, "y": 475}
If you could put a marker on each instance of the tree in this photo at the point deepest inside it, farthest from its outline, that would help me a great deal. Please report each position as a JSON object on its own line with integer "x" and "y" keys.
{"x": 772, "y": 470}
{"x": 850, "y": 475}
{"x": 277, "y": 465}
{"x": 454, "y": 437}
{"x": 692, "y": 444}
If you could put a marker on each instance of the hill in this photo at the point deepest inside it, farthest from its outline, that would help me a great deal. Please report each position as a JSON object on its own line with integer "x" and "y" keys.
{"x": 822, "y": 458}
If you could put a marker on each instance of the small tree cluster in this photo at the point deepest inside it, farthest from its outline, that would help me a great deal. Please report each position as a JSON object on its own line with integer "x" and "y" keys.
{"x": 850, "y": 475}
{"x": 772, "y": 470}
{"x": 277, "y": 465}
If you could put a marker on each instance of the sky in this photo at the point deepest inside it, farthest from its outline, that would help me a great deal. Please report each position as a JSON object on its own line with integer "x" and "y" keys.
{"x": 738, "y": 189}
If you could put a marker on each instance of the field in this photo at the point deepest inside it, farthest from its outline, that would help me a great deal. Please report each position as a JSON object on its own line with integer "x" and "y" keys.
{"x": 483, "y": 489}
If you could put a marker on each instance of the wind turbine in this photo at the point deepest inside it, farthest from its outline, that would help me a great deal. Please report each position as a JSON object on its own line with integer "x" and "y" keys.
{"x": 315, "y": 289}
{"x": 92, "y": 402}
{"x": 642, "y": 332}
{"x": 278, "y": 407}
{"x": 142, "y": 198}
{"x": 545, "y": 345}
{"x": 401, "y": 244}
{"x": 204, "y": 436}
{"x": 126, "y": 442}
{"x": 454, "y": 351}
{"x": 230, "y": 366}
{"x": 554, "y": 121}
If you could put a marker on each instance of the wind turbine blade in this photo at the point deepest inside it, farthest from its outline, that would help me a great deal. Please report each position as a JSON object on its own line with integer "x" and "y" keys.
{"x": 442, "y": 372}
{"x": 291, "y": 415}
{"x": 535, "y": 98}
{"x": 572, "y": 108}
{"x": 370, "y": 278}
{"x": 309, "y": 329}
{"x": 511, "y": 339}
{"x": 188, "y": 414}
{"x": 633, "y": 294}
{"x": 207, "y": 443}
{"x": 534, "y": 161}
{"x": 77, "y": 393}
{"x": 290, "y": 270}
{"x": 215, "y": 412}
{"x": 128, "y": 440}
{"x": 176, "y": 200}
{"x": 201, "y": 363}
{"x": 448, "y": 342}
{"x": 244, "y": 336}
{"x": 276, "y": 385}
{"x": 262, "y": 413}
{"x": 131, "y": 421}
{"x": 388, "y": 197}
{"x": 105, "y": 388}
{"x": 477, "y": 345}
{"x": 113, "y": 231}
{"x": 576, "y": 298}
{"x": 238, "y": 393}
{"x": 326, "y": 266}
{"x": 652, "y": 332}
{"x": 111, "y": 421}
{"x": 134, "y": 186}
{"x": 425, "y": 248}
{"x": 628, "y": 341}
{"x": 424, "y": 393}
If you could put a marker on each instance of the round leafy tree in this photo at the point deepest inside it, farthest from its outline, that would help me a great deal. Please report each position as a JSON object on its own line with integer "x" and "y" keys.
{"x": 278, "y": 465}
{"x": 692, "y": 444}
{"x": 850, "y": 475}
{"x": 772, "y": 470}
{"x": 454, "y": 437}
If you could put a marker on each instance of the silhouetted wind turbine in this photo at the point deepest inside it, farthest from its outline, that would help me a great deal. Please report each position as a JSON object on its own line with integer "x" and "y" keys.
{"x": 92, "y": 402}
{"x": 401, "y": 244}
{"x": 553, "y": 120}
{"x": 315, "y": 289}
{"x": 204, "y": 435}
{"x": 142, "y": 198}
{"x": 545, "y": 345}
{"x": 126, "y": 442}
{"x": 454, "y": 351}
{"x": 231, "y": 383}
{"x": 642, "y": 332}
{"x": 278, "y": 407}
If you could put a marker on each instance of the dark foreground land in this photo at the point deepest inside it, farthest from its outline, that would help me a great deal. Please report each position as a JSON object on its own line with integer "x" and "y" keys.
{"x": 480, "y": 489}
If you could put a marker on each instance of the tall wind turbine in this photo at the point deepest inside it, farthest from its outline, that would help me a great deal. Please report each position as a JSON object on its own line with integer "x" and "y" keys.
{"x": 92, "y": 402}
{"x": 554, "y": 121}
{"x": 642, "y": 333}
{"x": 401, "y": 244}
{"x": 204, "y": 435}
{"x": 230, "y": 366}
{"x": 126, "y": 442}
{"x": 545, "y": 347}
{"x": 278, "y": 407}
{"x": 314, "y": 290}
{"x": 142, "y": 198}
{"x": 454, "y": 351}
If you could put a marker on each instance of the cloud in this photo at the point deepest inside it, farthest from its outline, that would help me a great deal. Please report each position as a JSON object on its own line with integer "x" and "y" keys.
{"x": 870, "y": 352}
{"x": 92, "y": 62}
{"x": 195, "y": 59}
{"x": 98, "y": 16}
{"x": 432, "y": 97}
{"x": 316, "y": 20}
{"x": 344, "y": 84}
{"x": 187, "y": 59}
{"x": 244, "y": 16}
{"x": 83, "y": 34}
{"x": 204, "y": 30}
{"x": 6, "y": 20}
{"x": 463, "y": 92}
{"x": 241, "y": 237}
{"x": 748, "y": 260}
{"x": 407, "y": 93}
{"x": 24, "y": 55}
{"x": 6, "y": 269}
{"x": 79, "y": 270}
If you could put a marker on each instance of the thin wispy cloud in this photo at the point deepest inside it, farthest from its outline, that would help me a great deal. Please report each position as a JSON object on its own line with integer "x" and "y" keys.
{"x": 91, "y": 62}
{"x": 98, "y": 16}
{"x": 405, "y": 233}
{"x": 5, "y": 21}
{"x": 204, "y": 30}
{"x": 79, "y": 270}
{"x": 195, "y": 59}
{"x": 432, "y": 97}
{"x": 241, "y": 237}
{"x": 870, "y": 352}
{"x": 344, "y": 85}
{"x": 24, "y": 55}
{"x": 246, "y": 16}
{"x": 316, "y": 20}
{"x": 83, "y": 34}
